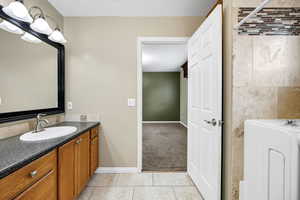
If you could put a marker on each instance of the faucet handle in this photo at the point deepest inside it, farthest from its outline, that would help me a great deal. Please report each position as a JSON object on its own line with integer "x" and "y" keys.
{"x": 40, "y": 115}
{"x": 46, "y": 121}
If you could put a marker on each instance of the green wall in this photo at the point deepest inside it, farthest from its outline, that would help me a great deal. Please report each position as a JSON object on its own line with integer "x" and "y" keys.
{"x": 161, "y": 96}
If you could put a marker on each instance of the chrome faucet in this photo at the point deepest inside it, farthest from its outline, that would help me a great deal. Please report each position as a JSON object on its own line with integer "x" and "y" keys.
{"x": 39, "y": 127}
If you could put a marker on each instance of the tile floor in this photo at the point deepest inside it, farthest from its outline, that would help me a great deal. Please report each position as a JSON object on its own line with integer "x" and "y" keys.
{"x": 143, "y": 186}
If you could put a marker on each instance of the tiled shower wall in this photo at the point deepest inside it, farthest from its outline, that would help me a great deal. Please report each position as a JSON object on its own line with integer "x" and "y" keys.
{"x": 266, "y": 82}
{"x": 271, "y": 21}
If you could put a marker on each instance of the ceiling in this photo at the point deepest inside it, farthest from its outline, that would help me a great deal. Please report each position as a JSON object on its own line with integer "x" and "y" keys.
{"x": 132, "y": 7}
{"x": 163, "y": 57}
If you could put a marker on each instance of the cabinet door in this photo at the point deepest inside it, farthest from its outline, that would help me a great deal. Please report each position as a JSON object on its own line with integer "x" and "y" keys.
{"x": 94, "y": 155}
{"x": 82, "y": 156}
{"x": 66, "y": 171}
{"x": 45, "y": 188}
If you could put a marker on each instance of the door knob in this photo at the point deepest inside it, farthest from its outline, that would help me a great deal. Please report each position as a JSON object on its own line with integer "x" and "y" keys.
{"x": 79, "y": 141}
{"x": 213, "y": 122}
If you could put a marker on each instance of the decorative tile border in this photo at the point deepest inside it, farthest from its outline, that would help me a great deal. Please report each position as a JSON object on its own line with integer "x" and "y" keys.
{"x": 271, "y": 21}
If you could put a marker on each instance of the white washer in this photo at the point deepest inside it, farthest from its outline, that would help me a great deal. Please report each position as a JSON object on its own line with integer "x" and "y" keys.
{"x": 271, "y": 168}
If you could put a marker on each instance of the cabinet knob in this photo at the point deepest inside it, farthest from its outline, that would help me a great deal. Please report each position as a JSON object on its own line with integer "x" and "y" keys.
{"x": 79, "y": 141}
{"x": 33, "y": 173}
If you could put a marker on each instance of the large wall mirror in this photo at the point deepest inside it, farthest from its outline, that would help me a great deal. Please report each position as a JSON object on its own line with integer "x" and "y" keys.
{"x": 31, "y": 74}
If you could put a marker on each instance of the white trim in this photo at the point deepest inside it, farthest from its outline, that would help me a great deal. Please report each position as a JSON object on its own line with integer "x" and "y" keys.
{"x": 139, "y": 105}
{"x": 242, "y": 190}
{"x": 116, "y": 170}
{"x": 140, "y": 42}
{"x": 183, "y": 124}
{"x": 161, "y": 122}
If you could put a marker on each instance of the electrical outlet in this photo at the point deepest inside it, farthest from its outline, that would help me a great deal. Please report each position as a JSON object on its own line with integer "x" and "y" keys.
{"x": 131, "y": 102}
{"x": 70, "y": 105}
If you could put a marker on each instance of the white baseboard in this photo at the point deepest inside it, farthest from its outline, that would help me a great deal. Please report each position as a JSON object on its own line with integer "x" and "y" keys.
{"x": 242, "y": 190}
{"x": 116, "y": 170}
{"x": 183, "y": 124}
{"x": 161, "y": 122}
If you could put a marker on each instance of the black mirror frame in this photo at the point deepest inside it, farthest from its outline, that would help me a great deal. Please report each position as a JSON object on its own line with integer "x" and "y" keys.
{"x": 22, "y": 115}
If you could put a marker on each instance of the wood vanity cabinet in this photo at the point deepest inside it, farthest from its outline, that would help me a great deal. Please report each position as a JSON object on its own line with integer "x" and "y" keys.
{"x": 45, "y": 188}
{"x": 61, "y": 174}
{"x": 94, "y": 147}
{"x": 82, "y": 162}
{"x": 35, "y": 181}
{"x": 73, "y": 167}
{"x": 66, "y": 171}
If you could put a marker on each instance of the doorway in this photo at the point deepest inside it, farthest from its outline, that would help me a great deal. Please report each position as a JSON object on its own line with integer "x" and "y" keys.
{"x": 162, "y": 104}
{"x": 205, "y": 104}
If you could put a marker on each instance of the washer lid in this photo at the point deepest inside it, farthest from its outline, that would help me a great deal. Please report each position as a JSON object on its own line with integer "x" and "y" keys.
{"x": 290, "y": 125}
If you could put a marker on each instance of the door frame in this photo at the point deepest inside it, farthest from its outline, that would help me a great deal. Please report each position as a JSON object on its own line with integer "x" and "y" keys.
{"x": 140, "y": 42}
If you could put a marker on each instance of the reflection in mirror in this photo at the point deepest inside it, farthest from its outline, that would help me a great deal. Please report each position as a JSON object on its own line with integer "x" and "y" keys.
{"x": 28, "y": 74}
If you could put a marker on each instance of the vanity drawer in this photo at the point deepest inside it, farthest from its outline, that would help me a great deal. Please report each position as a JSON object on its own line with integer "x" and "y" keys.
{"x": 43, "y": 189}
{"x": 94, "y": 132}
{"x": 17, "y": 182}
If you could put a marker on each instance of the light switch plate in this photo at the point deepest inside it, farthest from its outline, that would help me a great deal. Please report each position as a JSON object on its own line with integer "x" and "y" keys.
{"x": 0, "y": 101}
{"x": 131, "y": 102}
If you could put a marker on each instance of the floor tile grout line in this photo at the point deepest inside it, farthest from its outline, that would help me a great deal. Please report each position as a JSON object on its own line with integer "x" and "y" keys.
{"x": 126, "y": 186}
{"x": 133, "y": 193}
{"x": 174, "y": 193}
{"x": 90, "y": 196}
{"x": 152, "y": 179}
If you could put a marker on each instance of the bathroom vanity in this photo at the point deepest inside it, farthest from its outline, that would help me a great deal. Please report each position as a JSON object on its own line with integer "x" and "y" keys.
{"x": 52, "y": 169}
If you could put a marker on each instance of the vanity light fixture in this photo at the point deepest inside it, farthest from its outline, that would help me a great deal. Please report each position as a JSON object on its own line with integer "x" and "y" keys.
{"x": 40, "y": 24}
{"x": 7, "y": 26}
{"x": 17, "y": 10}
{"x": 30, "y": 38}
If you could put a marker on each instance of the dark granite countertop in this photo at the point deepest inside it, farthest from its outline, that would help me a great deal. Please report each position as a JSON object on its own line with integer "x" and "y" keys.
{"x": 15, "y": 154}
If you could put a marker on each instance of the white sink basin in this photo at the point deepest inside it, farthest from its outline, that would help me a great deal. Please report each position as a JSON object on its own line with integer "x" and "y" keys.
{"x": 49, "y": 133}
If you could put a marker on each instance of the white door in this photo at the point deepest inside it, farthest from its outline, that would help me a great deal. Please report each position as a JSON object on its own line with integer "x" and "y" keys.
{"x": 205, "y": 106}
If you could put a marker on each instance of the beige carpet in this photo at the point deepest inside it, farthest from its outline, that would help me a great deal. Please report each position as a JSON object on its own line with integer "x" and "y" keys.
{"x": 164, "y": 147}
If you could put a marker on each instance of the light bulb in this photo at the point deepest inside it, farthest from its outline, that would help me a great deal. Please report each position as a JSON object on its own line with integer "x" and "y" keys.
{"x": 57, "y": 36}
{"x": 41, "y": 26}
{"x": 17, "y": 10}
{"x": 7, "y": 26}
{"x": 30, "y": 38}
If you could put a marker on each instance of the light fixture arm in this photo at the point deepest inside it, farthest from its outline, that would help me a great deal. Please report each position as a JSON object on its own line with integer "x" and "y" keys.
{"x": 57, "y": 27}
{"x": 40, "y": 14}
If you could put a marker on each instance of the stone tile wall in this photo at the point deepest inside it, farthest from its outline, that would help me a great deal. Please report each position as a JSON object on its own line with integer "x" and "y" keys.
{"x": 271, "y": 21}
